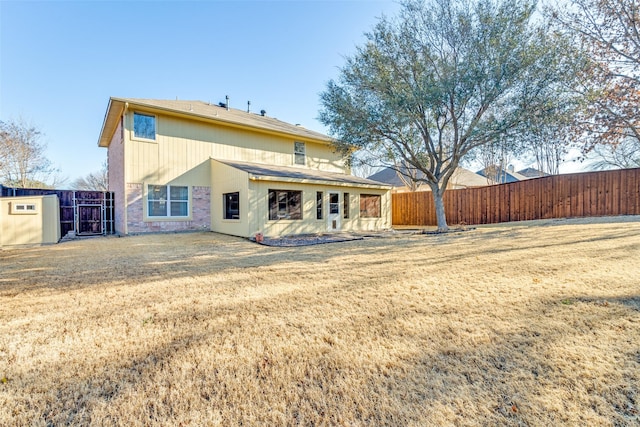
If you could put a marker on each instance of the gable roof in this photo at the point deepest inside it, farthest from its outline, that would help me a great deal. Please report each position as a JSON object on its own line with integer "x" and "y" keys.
{"x": 199, "y": 110}
{"x": 287, "y": 173}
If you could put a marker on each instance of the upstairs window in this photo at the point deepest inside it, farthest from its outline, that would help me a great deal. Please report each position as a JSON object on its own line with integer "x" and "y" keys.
{"x": 168, "y": 201}
{"x": 299, "y": 153}
{"x": 285, "y": 204}
{"x": 231, "y": 205}
{"x": 144, "y": 126}
{"x": 370, "y": 206}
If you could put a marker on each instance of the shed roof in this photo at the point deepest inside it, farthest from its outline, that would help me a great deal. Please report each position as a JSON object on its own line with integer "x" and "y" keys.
{"x": 205, "y": 111}
{"x": 286, "y": 173}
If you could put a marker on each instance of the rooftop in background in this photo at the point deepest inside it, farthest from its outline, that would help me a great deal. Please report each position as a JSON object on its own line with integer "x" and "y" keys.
{"x": 532, "y": 173}
{"x": 502, "y": 176}
{"x": 200, "y": 110}
{"x": 461, "y": 178}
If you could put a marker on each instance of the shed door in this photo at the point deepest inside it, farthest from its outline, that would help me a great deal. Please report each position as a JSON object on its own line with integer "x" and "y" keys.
{"x": 334, "y": 212}
{"x": 89, "y": 219}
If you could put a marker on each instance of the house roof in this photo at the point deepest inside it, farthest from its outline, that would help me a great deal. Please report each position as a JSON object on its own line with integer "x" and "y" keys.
{"x": 505, "y": 175}
{"x": 286, "y": 173}
{"x": 199, "y": 110}
{"x": 461, "y": 178}
{"x": 532, "y": 173}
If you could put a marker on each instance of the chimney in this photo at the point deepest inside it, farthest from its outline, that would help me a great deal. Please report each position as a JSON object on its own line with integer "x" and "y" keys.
{"x": 263, "y": 113}
{"x": 227, "y": 98}
{"x": 248, "y": 106}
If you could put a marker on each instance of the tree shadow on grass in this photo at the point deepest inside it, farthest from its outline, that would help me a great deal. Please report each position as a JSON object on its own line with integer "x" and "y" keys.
{"x": 364, "y": 365}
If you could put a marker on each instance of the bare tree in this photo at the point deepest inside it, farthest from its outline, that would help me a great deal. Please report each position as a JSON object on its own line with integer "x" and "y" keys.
{"x": 23, "y": 162}
{"x": 445, "y": 78}
{"x": 621, "y": 156}
{"x": 95, "y": 181}
{"x": 609, "y": 32}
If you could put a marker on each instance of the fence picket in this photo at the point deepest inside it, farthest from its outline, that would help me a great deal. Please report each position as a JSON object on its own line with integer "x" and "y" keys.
{"x": 601, "y": 193}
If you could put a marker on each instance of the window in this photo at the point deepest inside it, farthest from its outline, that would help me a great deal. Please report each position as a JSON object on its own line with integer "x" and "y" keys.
{"x": 23, "y": 208}
{"x": 168, "y": 201}
{"x": 144, "y": 126}
{"x": 345, "y": 207}
{"x": 285, "y": 204}
{"x": 334, "y": 203}
{"x": 319, "y": 196}
{"x": 231, "y": 207}
{"x": 370, "y": 206}
{"x": 299, "y": 153}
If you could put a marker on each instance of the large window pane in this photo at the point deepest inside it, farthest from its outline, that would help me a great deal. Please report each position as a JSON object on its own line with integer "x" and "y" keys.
{"x": 179, "y": 209}
{"x": 179, "y": 193}
{"x": 157, "y": 192}
{"x": 157, "y": 208}
{"x": 370, "y": 206}
{"x": 144, "y": 126}
{"x": 285, "y": 204}
{"x": 231, "y": 203}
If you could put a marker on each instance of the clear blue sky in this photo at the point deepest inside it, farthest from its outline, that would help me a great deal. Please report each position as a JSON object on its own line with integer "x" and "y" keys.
{"x": 60, "y": 61}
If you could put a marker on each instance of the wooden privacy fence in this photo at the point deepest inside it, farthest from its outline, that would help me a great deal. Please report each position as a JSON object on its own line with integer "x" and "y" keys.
{"x": 84, "y": 212}
{"x": 587, "y": 194}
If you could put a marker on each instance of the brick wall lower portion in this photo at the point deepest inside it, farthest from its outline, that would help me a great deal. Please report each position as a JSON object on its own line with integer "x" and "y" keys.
{"x": 200, "y": 209}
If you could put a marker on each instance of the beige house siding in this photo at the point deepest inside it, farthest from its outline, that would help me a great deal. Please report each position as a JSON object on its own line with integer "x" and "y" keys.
{"x": 40, "y": 225}
{"x": 184, "y": 145}
{"x": 226, "y": 179}
{"x": 259, "y": 191}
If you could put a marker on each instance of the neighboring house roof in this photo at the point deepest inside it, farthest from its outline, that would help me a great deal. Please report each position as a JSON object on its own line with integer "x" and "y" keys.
{"x": 532, "y": 173}
{"x": 286, "y": 173}
{"x": 505, "y": 176}
{"x": 461, "y": 178}
{"x": 200, "y": 110}
{"x": 390, "y": 177}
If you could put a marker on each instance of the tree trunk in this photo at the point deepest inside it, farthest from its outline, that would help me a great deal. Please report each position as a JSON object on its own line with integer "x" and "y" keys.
{"x": 439, "y": 204}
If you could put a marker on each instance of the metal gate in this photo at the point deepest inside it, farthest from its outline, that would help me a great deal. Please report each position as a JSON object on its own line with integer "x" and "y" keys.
{"x": 89, "y": 219}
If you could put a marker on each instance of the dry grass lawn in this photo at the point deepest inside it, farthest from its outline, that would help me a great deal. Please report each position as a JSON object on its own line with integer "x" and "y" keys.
{"x": 507, "y": 325}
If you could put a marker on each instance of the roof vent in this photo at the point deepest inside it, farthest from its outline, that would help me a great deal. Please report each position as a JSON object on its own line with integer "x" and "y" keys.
{"x": 263, "y": 113}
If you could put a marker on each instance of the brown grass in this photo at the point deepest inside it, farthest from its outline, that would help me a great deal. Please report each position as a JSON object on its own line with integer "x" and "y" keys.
{"x": 510, "y": 325}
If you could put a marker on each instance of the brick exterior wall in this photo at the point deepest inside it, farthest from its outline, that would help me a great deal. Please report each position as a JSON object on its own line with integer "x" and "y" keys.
{"x": 115, "y": 165}
{"x": 200, "y": 209}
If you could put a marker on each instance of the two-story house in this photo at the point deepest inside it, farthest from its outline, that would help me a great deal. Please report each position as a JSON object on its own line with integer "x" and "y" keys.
{"x": 190, "y": 165}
